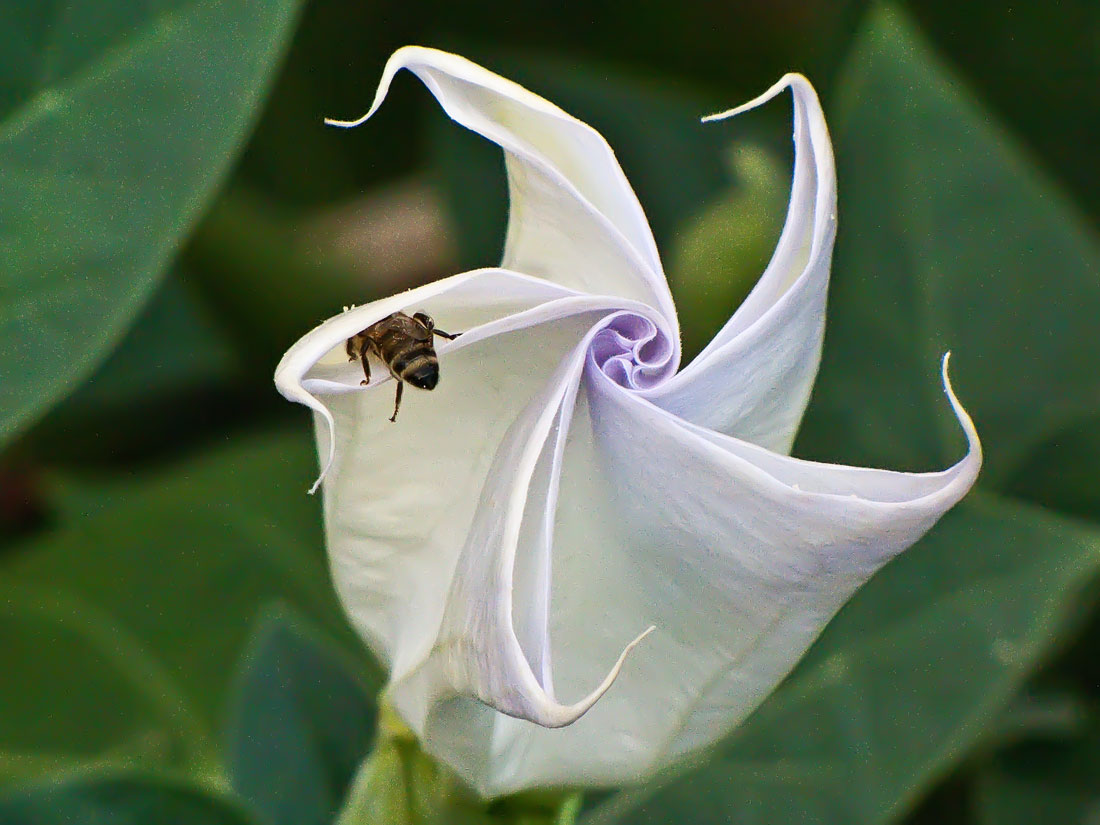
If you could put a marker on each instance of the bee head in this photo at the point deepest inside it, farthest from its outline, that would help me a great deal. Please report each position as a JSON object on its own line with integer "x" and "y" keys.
{"x": 424, "y": 377}
{"x": 425, "y": 320}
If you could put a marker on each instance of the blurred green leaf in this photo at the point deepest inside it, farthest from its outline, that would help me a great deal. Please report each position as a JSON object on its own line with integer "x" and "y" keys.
{"x": 119, "y": 800}
{"x": 902, "y": 682}
{"x": 300, "y": 723}
{"x": 1056, "y": 782}
{"x": 1041, "y": 710}
{"x": 950, "y": 239}
{"x": 143, "y": 397}
{"x": 117, "y": 121}
{"x": 75, "y": 688}
{"x": 185, "y": 559}
{"x": 1038, "y": 65}
{"x": 718, "y": 255}
{"x": 173, "y": 346}
{"x": 1064, "y": 472}
{"x": 471, "y": 176}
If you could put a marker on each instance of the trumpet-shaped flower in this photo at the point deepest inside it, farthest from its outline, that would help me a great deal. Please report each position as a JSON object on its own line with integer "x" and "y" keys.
{"x": 566, "y": 486}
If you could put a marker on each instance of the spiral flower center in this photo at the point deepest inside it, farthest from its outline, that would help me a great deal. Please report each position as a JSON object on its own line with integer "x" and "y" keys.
{"x": 631, "y": 350}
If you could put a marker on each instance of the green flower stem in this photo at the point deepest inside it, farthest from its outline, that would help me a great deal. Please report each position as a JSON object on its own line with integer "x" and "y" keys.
{"x": 399, "y": 784}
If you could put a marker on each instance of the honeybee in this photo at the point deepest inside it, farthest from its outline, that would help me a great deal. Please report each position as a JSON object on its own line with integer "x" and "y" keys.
{"x": 405, "y": 345}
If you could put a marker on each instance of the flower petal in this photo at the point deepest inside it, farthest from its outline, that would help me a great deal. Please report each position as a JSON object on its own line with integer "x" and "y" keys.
{"x": 478, "y": 652}
{"x": 754, "y": 378}
{"x": 574, "y": 218}
{"x": 400, "y": 498}
{"x": 508, "y": 509}
{"x": 316, "y": 363}
{"x": 738, "y": 556}
{"x": 424, "y": 569}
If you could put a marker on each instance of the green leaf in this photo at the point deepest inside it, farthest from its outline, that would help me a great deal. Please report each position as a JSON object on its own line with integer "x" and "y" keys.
{"x": 184, "y": 560}
{"x": 950, "y": 239}
{"x": 718, "y": 254}
{"x": 902, "y": 682}
{"x": 301, "y": 722}
{"x": 1064, "y": 471}
{"x": 117, "y": 122}
{"x": 1043, "y": 781}
{"x": 173, "y": 346}
{"x": 119, "y": 800}
{"x": 78, "y": 689}
{"x": 144, "y": 395}
{"x": 1038, "y": 68}
{"x": 1041, "y": 710}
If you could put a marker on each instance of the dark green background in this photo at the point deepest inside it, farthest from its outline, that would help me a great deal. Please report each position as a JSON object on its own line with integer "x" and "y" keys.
{"x": 173, "y": 215}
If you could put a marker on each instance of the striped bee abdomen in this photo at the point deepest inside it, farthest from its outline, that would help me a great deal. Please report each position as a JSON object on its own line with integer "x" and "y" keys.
{"x": 420, "y": 368}
{"x": 405, "y": 345}
{"x": 407, "y": 349}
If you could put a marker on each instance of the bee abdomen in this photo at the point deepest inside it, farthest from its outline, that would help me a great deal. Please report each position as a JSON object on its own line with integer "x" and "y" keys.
{"x": 417, "y": 365}
{"x": 406, "y": 363}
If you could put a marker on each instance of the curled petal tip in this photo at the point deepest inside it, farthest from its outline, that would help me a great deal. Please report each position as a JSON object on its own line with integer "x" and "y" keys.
{"x": 351, "y": 124}
{"x": 631, "y": 646}
{"x": 331, "y": 432}
{"x": 973, "y": 441}
{"x": 945, "y": 374}
{"x": 563, "y": 715}
{"x": 791, "y": 79}
{"x": 400, "y": 59}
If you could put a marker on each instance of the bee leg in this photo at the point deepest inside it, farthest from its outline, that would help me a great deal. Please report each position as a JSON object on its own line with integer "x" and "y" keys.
{"x": 366, "y": 368}
{"x": 449, "y": 336}
{"x": 397, "y": 401}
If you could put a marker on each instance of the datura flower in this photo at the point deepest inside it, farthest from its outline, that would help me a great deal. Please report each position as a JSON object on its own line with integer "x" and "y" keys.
{"x": 566, "y": 486}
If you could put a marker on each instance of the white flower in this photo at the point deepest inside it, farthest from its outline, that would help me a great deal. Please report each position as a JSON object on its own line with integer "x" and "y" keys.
{"x": 564, "y": 487}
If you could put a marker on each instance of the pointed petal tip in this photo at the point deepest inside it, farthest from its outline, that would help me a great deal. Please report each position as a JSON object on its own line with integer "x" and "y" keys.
{"x": 558, "y": 716}
{"x": 398, "y": 60}
{"x": 331, "y": 433}
{"x": 403, "y": 58}
{"x": 791, "y": 79}
{"x": 973, "y": 441}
